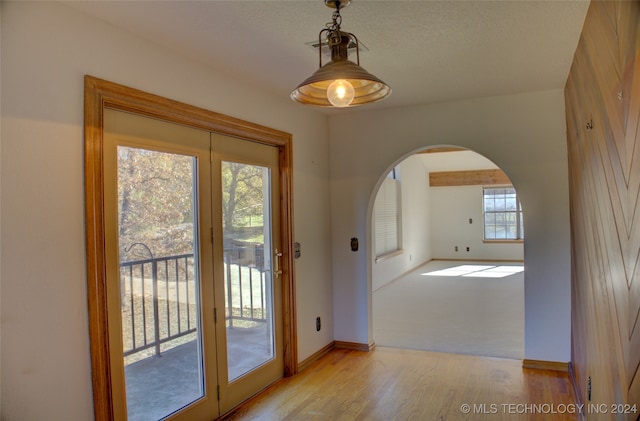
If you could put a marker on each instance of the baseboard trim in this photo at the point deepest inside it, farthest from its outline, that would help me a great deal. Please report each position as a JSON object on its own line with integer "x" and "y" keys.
{"x": 316, "y": 356}
{"x": 576, "y": 393}
{"x": 355, "y": 346}
{"x": 545, "y": 365}
{"x": 405, "y": 273}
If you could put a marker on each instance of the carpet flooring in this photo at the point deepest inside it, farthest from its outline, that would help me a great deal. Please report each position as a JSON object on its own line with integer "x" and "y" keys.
{"x": 477, "y": 309}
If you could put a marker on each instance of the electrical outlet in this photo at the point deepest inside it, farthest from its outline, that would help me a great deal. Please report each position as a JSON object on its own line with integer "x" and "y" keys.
{"x": 468, "y": 248}
{"x": 318, "y": 324}
{"x": 456, "y": 248}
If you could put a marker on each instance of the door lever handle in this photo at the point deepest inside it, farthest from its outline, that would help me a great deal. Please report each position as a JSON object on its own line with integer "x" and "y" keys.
{"x": 277, "y": 272}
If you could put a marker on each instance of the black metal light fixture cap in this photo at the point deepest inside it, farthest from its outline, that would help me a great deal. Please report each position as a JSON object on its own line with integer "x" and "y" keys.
{"x": 337, "y": 4}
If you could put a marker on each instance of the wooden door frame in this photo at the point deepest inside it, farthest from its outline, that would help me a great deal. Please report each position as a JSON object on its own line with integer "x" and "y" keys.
{"x": 100, "y": 94}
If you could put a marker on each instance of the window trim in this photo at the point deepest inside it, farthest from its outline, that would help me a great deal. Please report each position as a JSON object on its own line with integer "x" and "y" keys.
{"x": 519, "y": 218}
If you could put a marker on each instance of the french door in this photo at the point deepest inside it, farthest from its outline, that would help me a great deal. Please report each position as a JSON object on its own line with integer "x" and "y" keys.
{"x": 248, "y": 286}
{"x": 192, "y": 248}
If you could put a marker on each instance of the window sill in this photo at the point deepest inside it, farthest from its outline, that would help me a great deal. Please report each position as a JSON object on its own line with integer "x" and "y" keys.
{"x": 389, "y": 255}
{"x": 503, "y": 241}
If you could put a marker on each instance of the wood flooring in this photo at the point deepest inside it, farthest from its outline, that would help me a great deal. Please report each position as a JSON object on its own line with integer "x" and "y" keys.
{"x": 399, "y": 384}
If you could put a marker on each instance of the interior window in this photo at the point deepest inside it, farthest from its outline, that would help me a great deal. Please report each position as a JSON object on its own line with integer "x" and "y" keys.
{"x": 502, "y": 214}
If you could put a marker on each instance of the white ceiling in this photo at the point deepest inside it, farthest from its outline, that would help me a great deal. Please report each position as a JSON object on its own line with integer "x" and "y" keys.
{"x": 427, "y": 51}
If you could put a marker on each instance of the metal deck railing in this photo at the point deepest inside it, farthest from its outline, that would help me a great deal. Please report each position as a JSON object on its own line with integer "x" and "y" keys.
{"x": 159, "y": 296}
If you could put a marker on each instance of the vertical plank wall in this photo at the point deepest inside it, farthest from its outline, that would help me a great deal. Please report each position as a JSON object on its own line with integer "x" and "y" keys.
{"x": 602, "y": 97}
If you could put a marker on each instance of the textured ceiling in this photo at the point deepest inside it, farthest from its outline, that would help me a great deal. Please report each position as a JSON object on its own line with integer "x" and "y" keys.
{"x": 427, "y": 51}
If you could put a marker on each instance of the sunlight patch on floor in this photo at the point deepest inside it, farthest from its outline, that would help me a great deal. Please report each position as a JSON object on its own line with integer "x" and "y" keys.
{"x": 477, "y": 271}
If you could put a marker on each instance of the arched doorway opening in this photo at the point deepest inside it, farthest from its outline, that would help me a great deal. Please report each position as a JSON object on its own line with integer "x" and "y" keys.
{"x": 447, "y": 264}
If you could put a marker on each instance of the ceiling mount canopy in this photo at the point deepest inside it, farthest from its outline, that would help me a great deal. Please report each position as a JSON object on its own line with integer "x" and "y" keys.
{"x": 341, "y": 82}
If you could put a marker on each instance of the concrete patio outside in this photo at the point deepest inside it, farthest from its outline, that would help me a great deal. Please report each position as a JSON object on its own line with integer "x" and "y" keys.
{"x": 160, "y": 385}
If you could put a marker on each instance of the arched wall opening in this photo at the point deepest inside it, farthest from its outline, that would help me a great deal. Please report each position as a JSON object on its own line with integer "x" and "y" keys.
{"x": 447, "y": 280}
{"x": 524, "y": 134}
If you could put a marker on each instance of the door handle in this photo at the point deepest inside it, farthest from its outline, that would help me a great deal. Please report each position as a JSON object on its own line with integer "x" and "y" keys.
{"x": 276, "y": 263}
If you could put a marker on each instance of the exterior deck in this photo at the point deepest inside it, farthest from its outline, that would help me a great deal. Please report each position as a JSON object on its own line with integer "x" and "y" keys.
{"x": 160, "y": 313}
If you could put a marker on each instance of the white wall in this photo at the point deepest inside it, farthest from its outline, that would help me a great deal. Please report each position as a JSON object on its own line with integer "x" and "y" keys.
{"x": 452, "y": 207}
{"x": 414, "y": 182}
{"x": 522, "y": 134}
{"x": 47, "y": 48}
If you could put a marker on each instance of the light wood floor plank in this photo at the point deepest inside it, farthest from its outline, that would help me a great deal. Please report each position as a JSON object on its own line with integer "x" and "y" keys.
{"x": 397, "y": 384}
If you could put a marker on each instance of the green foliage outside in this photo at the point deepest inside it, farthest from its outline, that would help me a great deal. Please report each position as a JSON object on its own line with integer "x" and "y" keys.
{"x": 156, "y": 203}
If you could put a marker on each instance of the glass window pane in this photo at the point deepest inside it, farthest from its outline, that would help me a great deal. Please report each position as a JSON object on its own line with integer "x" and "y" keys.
{"x": 502, "y": 213}
{"x": 159, "y": 282}
{"x": 248, "y": 279}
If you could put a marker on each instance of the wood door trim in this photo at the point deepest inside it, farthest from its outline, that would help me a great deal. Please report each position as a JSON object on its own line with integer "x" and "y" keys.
{"x": 100, "y": 94}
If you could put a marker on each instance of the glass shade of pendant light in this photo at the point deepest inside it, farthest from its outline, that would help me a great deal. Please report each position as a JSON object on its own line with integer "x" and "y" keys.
{"x": 341, "y": 82}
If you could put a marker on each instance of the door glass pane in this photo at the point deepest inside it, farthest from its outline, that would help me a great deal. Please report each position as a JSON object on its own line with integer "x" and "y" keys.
{"x": 159, "y": 281}
{"x": 247, "y": 261}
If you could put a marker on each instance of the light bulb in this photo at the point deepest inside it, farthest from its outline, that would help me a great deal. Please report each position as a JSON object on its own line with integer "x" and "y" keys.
{"x": 340, "y": 93}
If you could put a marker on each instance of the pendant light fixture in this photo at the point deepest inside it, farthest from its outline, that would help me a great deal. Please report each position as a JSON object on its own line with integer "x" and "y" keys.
{"x": 339, "y": 83}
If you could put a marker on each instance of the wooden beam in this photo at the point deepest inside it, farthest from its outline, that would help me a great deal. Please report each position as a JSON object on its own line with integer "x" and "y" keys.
{"x": 468, "y": 178}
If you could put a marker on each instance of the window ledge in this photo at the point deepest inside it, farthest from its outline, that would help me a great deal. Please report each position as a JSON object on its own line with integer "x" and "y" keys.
{"x": 389, "y": 255}
{"x": 503, "y": 241}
